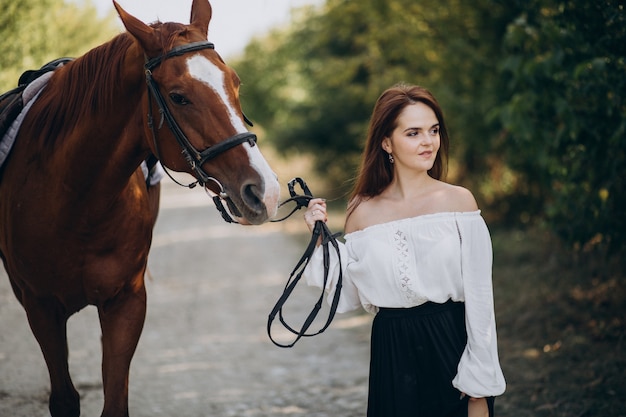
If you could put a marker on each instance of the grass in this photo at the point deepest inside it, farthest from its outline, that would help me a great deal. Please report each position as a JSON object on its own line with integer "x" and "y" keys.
{"x": 561, "y": 328}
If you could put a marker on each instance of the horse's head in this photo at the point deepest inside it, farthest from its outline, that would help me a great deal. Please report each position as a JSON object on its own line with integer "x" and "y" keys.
{"x": 198, "y": 95}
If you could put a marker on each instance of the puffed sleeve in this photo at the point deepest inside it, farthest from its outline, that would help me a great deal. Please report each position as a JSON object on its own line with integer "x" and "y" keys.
{"x": 314, "y": 276}
{"x": 479, "y": 373}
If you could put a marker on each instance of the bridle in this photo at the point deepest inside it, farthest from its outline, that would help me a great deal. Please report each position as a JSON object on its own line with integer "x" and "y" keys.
{"x": 197, "y": 158}
{"x": 193, "y": 156}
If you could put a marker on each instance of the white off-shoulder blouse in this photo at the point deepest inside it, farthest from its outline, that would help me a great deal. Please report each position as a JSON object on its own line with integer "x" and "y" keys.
{"x": 434, "y": 257}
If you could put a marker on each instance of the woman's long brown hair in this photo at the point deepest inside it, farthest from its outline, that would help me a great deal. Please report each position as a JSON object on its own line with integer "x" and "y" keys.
{"x": 376, "y": 172}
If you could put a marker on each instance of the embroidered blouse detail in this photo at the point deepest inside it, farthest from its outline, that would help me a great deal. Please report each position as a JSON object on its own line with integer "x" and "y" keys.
{"x": 404, "y": 273}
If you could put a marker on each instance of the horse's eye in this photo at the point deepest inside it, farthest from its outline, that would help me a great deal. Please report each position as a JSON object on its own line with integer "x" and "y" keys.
{"x": 178, "y": 99}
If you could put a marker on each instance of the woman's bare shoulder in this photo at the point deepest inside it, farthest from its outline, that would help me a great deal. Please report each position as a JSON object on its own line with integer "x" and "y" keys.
{"x": 457, "y": 198}
{"x": 360, "y": 214}
{"x": 442, "y": 197}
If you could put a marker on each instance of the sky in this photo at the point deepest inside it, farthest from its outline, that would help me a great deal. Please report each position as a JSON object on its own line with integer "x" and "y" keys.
{"x": 234, "y": 22}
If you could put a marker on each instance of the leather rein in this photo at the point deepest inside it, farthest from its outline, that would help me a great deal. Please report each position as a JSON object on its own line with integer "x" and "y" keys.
{"x": 328, "y": 239}
{"x": 193, "y": 156}
{"x": 197, "y": 158}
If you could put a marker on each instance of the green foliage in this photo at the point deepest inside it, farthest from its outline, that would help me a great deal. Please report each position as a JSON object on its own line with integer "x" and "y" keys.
{"x": 313, "y": 85}
{"x": 34, "y": 32}
{"x": 533, "y": 92}
{"x": 565, "y": 119}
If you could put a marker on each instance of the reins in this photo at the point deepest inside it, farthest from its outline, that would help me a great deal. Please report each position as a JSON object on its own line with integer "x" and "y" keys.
{"x": 197, "y": 158}
{"x": 322, "y": 231}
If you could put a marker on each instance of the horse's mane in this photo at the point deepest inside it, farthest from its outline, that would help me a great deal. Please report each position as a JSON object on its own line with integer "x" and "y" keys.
{"x": 88, "y": 83}
{"x": 77, "y": 90}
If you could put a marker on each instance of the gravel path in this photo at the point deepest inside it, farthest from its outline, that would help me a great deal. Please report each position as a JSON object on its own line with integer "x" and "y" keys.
{"x": 204, "y": 349}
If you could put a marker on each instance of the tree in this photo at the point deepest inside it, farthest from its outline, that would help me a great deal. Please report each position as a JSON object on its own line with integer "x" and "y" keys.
{"x": 533, "y": 92}
{"x": 317, "y": 81}
{"x": 565, "y": 117}
{"x": 34, "y": 32}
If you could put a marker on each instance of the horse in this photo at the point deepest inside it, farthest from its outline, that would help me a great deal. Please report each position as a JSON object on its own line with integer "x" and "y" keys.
{"x": 76, "y": 212}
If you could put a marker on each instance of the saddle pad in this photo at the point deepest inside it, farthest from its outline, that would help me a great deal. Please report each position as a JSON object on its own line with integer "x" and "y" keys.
{"x": 154, "y": 175}
{"x": 29, "y": 95}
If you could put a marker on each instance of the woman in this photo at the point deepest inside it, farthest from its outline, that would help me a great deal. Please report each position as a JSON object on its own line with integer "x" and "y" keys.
{"x": 418, "y": 254}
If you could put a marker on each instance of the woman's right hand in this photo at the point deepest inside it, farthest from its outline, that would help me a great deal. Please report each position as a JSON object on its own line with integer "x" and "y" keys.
{"x": 314, "y": 212}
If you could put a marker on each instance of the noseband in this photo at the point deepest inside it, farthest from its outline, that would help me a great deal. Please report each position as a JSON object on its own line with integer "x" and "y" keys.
{"x": 194, "y": 157}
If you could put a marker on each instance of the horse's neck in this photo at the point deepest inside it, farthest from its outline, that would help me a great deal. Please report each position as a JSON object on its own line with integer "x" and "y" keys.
{"x": 105, "y": 143}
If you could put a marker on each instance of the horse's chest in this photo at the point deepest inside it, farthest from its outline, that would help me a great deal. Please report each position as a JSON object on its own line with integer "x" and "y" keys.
{"x": 74, "y": 255}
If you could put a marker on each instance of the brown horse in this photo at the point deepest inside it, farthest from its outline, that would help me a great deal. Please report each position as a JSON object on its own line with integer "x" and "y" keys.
{"x": 76, "y": 214}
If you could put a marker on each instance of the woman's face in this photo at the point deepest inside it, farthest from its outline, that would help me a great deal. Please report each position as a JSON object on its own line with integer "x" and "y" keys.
{"x": 415, "y": 141}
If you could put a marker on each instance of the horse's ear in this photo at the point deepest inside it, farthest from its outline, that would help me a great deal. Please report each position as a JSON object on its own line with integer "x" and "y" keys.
{"x": 142, "y": 32}
{"x": 201, "y": 12}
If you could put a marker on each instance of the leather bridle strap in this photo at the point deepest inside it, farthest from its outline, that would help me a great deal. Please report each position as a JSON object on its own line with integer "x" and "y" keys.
{"x": 320, "y": 230}
{"x": 194, "y": 157}
{"x": 177, "y": 51}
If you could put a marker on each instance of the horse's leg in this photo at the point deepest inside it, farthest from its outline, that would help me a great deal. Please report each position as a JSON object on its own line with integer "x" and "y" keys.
{"x": 48, "y": 321}
{"x": 121, "y": 320}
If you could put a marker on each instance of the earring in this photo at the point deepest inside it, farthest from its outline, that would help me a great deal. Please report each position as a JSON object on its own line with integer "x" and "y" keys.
{"x": 391, "y": 160}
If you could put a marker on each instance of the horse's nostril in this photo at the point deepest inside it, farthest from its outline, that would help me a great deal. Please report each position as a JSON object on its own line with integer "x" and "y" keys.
{"x": 253, "y": 197}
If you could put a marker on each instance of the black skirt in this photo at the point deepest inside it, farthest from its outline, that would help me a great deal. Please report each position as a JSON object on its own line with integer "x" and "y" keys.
{"x": 414, "y": 357}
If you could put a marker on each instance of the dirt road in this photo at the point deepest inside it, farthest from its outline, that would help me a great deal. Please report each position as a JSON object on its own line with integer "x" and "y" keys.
{"x": 204, "y": 350}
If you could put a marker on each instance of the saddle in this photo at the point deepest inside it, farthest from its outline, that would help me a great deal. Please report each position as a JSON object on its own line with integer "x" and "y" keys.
{"x": 11, "y": 103}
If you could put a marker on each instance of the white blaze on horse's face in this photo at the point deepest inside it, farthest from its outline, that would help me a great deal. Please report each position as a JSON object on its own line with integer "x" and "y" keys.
{"x": 208, "y": 73}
